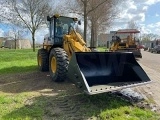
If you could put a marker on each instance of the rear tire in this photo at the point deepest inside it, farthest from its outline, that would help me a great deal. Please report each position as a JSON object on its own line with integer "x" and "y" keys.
{"x": 58, "y": 64}
{"x": 42, "y": 59}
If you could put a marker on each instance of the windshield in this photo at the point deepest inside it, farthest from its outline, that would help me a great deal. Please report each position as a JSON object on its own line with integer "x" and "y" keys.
{"x": 63, "y": 24}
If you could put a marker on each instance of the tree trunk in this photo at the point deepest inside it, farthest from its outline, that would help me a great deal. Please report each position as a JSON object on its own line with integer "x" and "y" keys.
{"x": 93, "y": 34}
{"x": 85, "y": 21}
{"x": 33, "y": 40}
{"x": 15, "y": 44}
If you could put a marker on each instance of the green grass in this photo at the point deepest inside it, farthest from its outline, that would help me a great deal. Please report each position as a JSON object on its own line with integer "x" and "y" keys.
{"x": 102, "y": 49}
{"x": 15, "y": 107}
{"x": 30, "y": 105}
{"x": 109, "y": 107}
{"x": 128, "y": 113}
{"x": 16, "y": 61}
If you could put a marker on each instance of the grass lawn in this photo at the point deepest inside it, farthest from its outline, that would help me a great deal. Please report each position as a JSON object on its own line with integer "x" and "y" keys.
{"x": 102, "y": 49}
{"x": 15, "y": 61}
{"x": 15, "y": 106}
{"x": 32, "y": 105}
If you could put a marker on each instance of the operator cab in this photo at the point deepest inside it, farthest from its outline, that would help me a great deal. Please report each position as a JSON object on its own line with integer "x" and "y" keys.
{"x": 59, "y": 26}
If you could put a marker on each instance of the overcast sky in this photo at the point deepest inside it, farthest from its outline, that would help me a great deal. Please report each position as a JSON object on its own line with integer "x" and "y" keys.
{"x": 146, "y": 13}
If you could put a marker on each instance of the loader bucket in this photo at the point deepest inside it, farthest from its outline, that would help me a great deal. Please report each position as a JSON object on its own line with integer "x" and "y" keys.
{"x": 98, "y": 72}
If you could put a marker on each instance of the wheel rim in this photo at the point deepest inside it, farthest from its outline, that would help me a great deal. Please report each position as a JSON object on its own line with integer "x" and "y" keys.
{"x": 53, "y": 64}
{"x": 40, "y": 60}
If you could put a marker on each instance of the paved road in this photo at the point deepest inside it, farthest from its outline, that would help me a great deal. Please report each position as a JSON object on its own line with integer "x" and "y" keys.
{"x": 150, "y": 62}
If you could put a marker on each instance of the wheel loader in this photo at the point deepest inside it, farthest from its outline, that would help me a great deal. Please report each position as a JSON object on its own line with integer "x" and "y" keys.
{"x": 66, "y": 56}
{"x": 127, "y": 43}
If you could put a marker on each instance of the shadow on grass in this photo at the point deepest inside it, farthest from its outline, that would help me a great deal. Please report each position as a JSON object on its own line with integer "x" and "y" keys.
{"x": 33, "y": 81}
{"x": 17, "y": 69}
{"x": 60, "y": 101}
{"x": 27, "y": 81}
{"x": 79, "y": 107}
{"x": 49, "y": 105}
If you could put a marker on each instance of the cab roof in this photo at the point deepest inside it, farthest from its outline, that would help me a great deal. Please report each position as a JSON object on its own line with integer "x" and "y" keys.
{"x": 128, "y": 31}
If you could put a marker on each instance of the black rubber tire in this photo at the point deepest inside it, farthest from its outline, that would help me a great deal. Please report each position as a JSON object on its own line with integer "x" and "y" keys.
{"x": 61, "y": 64}
{"x": 42, "y": 59}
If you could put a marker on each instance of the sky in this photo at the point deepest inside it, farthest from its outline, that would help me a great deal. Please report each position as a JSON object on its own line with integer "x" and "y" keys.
{"x": 146, "y": 14}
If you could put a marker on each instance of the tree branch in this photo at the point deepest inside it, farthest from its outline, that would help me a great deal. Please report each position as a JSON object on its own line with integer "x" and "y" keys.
{"x": 96, "y": 6}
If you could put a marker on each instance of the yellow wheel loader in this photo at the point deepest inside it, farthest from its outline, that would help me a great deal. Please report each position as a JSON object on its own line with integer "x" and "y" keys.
{"x": 126, "y": 43}
{"x": 66, "y": 56}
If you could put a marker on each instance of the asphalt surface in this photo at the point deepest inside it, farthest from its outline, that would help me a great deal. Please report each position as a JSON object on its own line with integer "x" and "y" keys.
{"x": 150, "y": 62}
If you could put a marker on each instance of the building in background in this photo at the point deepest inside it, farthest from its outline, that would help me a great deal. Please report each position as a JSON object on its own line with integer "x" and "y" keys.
{"x": 8, "y": 42}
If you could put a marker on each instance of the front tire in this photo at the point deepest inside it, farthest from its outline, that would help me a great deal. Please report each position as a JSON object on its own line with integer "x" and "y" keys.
{"x": 58, "y": 64}
{"x": 42, "y": 59}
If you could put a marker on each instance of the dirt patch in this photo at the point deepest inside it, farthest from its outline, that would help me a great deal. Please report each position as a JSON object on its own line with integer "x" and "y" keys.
{"x": 61, "y": 98}
{"x": 33, "y": 81}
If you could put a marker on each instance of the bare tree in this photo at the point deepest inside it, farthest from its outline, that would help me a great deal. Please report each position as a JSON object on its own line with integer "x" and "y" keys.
{"x": 83, "y": 8}
{"x": 15, "y": 33}
{"x": 149, "y": 37}
{"x": 4, "y": 8}
{"x": 99, "y": 13}
{"x": 101, "y": 17}
{"x": 30, "y": 14}
{"x": 87, "y": 9}
{"x": 132, "y": 25}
